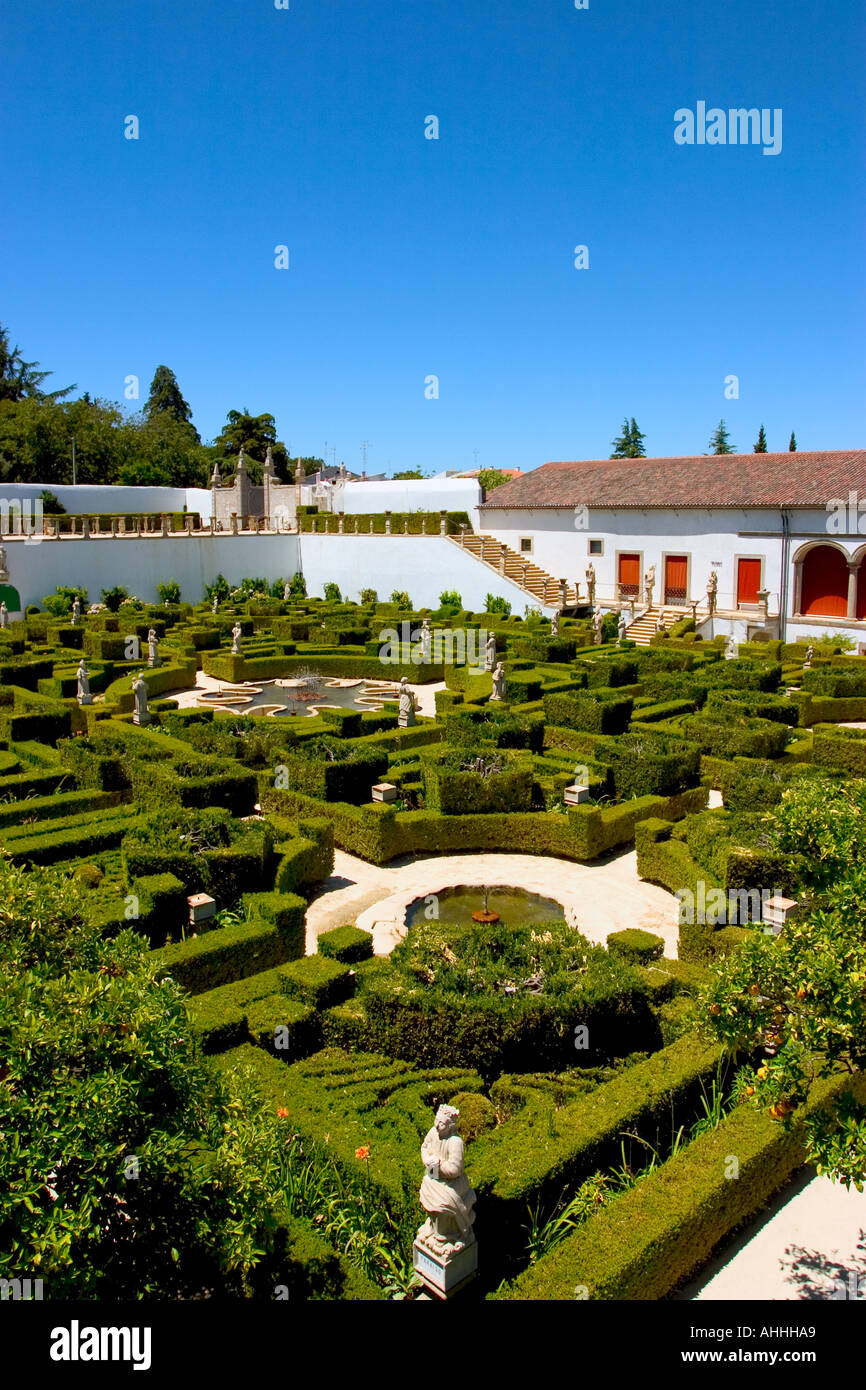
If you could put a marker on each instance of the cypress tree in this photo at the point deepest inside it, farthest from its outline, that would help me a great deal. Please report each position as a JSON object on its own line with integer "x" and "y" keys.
{"x": 761, "y": 446}
{"x": 720, "y": 442}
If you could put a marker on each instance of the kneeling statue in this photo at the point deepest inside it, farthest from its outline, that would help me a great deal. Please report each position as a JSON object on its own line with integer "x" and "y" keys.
{"x": 445, "y": 1192}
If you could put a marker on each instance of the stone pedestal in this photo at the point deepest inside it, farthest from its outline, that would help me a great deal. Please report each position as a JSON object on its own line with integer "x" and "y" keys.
{"x": 777, "y": 912}
{"x": 445, "y": 1275}
{"x": 384, "y": 791}
{"x": 140, "y": 718}
{"x": 575, "y": 796}
{"x": 201, "y": 908}
{"x": 85, "y": 699}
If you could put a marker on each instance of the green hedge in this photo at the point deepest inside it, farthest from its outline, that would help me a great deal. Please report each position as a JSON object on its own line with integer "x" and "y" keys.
{"x": 735, "y": 736}
{"x": 840, "y": 750}
{"x": 349, "y": 945}
{"x": 232, "y": 953}
{"x": 596, "y": 712}
{"x": 635, "y": 945}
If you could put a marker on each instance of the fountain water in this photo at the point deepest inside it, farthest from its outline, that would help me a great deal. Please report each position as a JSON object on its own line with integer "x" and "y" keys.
{"x": 485, "y": 915}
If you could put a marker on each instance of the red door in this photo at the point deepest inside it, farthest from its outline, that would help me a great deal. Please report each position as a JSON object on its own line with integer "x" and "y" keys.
{"x": 748, "y": 581}
{"x": 629, "y": 576}
{"x": 676, "y": 578}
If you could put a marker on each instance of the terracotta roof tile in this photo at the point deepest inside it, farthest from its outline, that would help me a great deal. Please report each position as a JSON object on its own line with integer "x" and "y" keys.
{"x": 726, "y": 480}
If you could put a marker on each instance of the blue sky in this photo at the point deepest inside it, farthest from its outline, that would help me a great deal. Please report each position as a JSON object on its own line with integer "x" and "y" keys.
{"x": 453, "y": 257}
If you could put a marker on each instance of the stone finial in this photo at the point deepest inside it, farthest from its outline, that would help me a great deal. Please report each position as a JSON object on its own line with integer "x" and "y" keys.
{"x": 215, "y": 475}
{"x": 242, "y": 462}
{"x": 269, "y": 462}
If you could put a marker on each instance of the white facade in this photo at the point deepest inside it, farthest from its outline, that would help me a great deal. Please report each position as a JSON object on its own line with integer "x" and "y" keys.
{"x": 88, "y": 498}
{"x": 440, "y": 493}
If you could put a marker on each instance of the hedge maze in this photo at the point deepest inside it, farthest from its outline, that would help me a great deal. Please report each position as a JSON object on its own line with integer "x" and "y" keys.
{"x": 248, "y": 810}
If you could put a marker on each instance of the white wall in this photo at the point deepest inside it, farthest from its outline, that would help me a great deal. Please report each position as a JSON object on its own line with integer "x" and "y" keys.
{"x": 87, "y": 497}
{"x": 423, "y": 566}
{"x": 410, "y": 495}
{"x": 140, "y": 563}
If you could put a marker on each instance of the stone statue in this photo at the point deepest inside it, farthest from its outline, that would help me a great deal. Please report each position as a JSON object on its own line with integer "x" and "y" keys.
{"x": 731, "y": 650}
{"x": 498, "y": 682}
{"x": 140, "y": 715}
{"x": 84, "y": 695}
{"x": 4, "y": 615}
{"x": 649, "y": 583}
{"x": 590, "y": 583}
{"x": 426, "y": 642}
{"x": 712, "y": 591}
{"x": 76, "y": 611}
{"x": 810, "y": 652}
{"x": 660, "y": 622}
{"x": 4, "y": 572}
{"x": 621, "y": 627}
{"x": 406, "y": 716}
{"x": 215, "y": 605}
{"x": 490, "y": 652}
{"x": 152, "y": 648}
{"x": 554, "y": 624}
{"x": 597, "y": 621}
{"x": 236, "y": 640}
{"x": 287, "y": 593}
{"x": 446, "y": 1195}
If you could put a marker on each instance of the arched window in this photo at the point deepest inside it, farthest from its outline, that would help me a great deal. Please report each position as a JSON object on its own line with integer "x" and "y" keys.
{"x": 825, "y": 583}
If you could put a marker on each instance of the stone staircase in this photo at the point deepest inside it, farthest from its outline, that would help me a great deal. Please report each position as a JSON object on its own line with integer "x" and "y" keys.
{"x": 643, "y": 629}
{"x": 505, "y": 561}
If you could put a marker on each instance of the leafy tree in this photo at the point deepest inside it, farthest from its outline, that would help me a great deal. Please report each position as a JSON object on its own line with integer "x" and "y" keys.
{"x": 792, "y": 443}
{"x": 332, "y": 592}
{"x": 51, "y": 505}
{"x": 720, "y": 440}
{"x": 165, "y": 399}
{"x": 369, "y": 596}
{"x": 493, "y": 603}
{"x": 761, "y": 446}
{"x": 20, "y": 379}
{"x": 450, "y": 601}
{"x": 800, "y": 996}
{"x": 413, "y": 473}
{"x": 629, "y": 444}
{"x": 59, "y": 604}
{"x": 217, "y": 589}
{"x": 298, "y": 586}
{"x": 490, "y": 478}
{"x": 169, "y": 591}
{"x": 113, "y": 597}
{"x": 253, "y": 434}
{"x": 402, "y": 600}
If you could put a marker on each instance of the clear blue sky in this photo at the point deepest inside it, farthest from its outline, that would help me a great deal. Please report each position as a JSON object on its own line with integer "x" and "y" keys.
{"x": 411, "y": 257}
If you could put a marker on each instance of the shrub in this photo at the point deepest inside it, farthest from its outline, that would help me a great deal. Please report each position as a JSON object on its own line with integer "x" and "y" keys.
{"x": 332, "y": 593}
{"x": 59, "y": 604}
{"x": 319, "y": 981}
{"x": 349, "y": 945}
{"x": 401, "y": 601}
{"x": 113, "y": 597}
{"x": 639, "y": 947}
{"x": 169, "y": 591}
{"x": 600, "y": 712}
{"x": 494, "y": 603}
{"x": 369, "y": 596}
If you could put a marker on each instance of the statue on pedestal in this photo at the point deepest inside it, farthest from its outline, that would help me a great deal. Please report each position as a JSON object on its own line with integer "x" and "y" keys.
{"x": 810, "y": 652}
{"x": 76, "y": 611}
{"x": 554, "y": 624}
{"x": 597, "y": 621}
{"x": 4, "y": 615}
{"x": 140, "y": 715}
{"x": 236, "y": 640}
{"x": 152, "y": 648}
{"x": 712, "y": 592}
{"x": 498, "y": 682}
{"x": 490, "y": 652}
{"x": 446, "y": 1195}
{"x": 590, "y": 583}
{"x": 215, "y": 605}
{"x": 649, "y": 583}
{"x": 621, "y": 627}
{"x": 84, "y": 696}
{"x": 660, "y": 622}
{"x": 406, "y": 716}
{"x": 4, "y": 572}
{"x": 426, "y": 642}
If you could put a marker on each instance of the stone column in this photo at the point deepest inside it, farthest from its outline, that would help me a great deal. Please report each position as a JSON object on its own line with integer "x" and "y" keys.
{"x": 234, "y": 523}
{"x": 387, "y": 523}
{"x": 503, "y": 552}
{"x": 798, "y": 588}
{"x": 189, "y": 525}
{"x": 163, "y": 524}
{"x": 356, "y": 526}
{"x": 853, "y": 570}
{"x": 524, "y": 573}
{"x": 563, "y": 593}
{"x": 340, "y": 525}
{"x": 423, "y": 525}
{"x": 85, "y": 527}
{"x": 443, "y": 523}
{"x": 764, "y": 601}
{"x": 114, "y": 526}
{"x": 405, "y": 526}
{"x": 371, "y": 526}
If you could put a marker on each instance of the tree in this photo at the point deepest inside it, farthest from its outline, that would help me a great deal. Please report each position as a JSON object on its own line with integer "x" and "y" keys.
{"x": 162, "y": 451}
{"x": 165, "y": 399}
{"x": 490, "y": 478}
{"x": 253, "y": 434}
{"x": 800, "y": 996}
{"x": 20, "y": 379}
{"x": 720, "y": 441}
{"x": 761, "y": 446}
{"x": 792, "y": 443}
{"x": 630, "y": 444}
{"x": 412, "y": 473}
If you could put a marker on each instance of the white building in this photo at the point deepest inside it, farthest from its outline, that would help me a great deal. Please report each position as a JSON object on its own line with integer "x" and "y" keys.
{"x": 783, "y": 534}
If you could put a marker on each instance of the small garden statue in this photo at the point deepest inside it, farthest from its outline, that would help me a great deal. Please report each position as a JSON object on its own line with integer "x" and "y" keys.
{"x": 597, "y": 621}
{"x": 660, "y": 621}
{"x": 731, "y": 650}
{"x": 4, "y": 571}
{"x": 153, "y": 658}
{"x": 810, "y": 652}
{"x": 84, "y": 696}
{"x": 76, "y": 611}
{"x": 4, "y": 615}
{"x": 649, "y": 583}
{"x": 621, "y": 627}
{"x": 498, "y": 682}
{"x": 141, "y": 714}
{"x": 215, "y": 605}
{"x": 406, "y": 716}
{"x": 287, "y": 593}
{"x": 712, "y": 591}
{"x": 426, "y": 642}
{"x": 554, "y": 624}
{"x": 446, "y": 1195}
{"x": 236, "y": 640}
{"x": 590, "y": 583}
{"x": 490, "y": 652}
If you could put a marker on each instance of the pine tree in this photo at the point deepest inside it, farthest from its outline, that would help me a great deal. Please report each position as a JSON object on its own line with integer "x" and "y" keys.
{"x": 165, "y": 398}
{"x": 629, "y": 444}
{"x": 792, "y": 443}
{"x": 720, "y": 442}
{"x": 761, "y": 446}
{"x": 20, "y": 380}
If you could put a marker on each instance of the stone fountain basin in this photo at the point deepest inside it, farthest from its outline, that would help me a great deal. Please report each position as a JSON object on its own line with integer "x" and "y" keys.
{"x": 386, "y": 920}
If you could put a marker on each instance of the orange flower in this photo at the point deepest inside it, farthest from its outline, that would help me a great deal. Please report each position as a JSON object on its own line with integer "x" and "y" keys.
{"x": 283, "y": 1113}
{"x": 363, "y": 1152}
